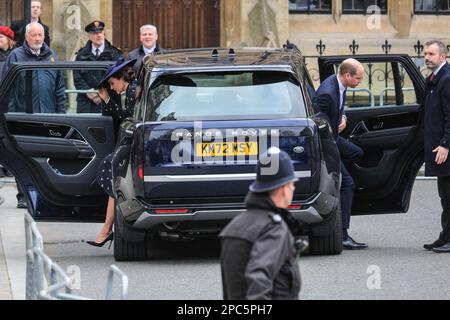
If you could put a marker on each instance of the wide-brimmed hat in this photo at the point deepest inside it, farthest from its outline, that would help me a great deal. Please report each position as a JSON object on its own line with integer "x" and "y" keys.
{"x": 6, "y": 31}
{"x": 121, "y": 64}
{"x": 274, "y": 169}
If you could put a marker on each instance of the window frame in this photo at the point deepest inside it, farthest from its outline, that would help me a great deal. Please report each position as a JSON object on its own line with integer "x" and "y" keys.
{"x": 436, "y": 12}
{"x": 363, "y": 11}
{"x": 309, "y": 11}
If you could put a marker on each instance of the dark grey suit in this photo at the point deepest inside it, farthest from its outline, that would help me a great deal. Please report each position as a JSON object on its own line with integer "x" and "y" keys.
{"x": 437, "y": 133}
{"x": 139, "y": 54}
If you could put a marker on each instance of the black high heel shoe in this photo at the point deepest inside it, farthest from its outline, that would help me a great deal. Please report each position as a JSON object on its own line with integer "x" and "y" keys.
{"x": 110, "y": 238}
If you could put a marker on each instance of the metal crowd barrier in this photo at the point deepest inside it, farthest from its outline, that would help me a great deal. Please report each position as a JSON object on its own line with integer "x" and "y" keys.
{"x": 46, "y": 280}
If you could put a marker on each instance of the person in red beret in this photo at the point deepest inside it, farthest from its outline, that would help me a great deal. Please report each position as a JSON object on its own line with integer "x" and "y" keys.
{"x": 6, "y": 43}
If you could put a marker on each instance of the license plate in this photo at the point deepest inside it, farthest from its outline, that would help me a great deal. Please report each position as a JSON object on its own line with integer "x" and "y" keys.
{"x": 224, "y": 149}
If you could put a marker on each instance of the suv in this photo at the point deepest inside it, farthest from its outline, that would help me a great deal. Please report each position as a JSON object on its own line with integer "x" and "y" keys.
{"x": 201, "y": 120}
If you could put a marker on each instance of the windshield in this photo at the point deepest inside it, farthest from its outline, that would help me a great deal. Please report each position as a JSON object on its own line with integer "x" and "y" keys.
{"x": 225, "y": 96}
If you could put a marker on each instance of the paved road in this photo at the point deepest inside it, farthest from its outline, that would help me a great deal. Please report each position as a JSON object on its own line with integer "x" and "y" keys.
{"x": 395, "y": 261}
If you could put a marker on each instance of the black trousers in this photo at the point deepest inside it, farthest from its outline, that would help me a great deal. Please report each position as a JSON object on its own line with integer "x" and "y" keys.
{"x": 349, "y": 152}
{"x": 444, "y": 194}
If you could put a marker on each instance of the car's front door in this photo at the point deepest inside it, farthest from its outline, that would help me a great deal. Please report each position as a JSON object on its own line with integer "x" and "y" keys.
{"x": 385, "y": 119}
{"x": 54, "y": 156}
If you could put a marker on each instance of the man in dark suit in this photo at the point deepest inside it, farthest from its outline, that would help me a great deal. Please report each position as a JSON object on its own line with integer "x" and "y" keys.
{"x": 330, "y": 101}
{"x": 437, "y": 134}
{"x": 18, "y": 26}
{"x": 148, "y": 37}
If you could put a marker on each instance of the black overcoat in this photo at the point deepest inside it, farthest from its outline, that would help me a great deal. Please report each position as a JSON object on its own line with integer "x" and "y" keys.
{"x": 437, "y": 121}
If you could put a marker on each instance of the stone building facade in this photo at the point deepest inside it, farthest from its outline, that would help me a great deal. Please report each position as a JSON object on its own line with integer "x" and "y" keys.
{"x": 258, "y": 23}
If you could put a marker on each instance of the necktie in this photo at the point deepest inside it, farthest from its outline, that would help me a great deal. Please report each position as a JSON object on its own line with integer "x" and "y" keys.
{"x": 97, "y": 52}
{"x": 432, "y": 76}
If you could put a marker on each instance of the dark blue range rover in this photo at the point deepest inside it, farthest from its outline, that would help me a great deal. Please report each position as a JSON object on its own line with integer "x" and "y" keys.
{"x": 202, "y": 118}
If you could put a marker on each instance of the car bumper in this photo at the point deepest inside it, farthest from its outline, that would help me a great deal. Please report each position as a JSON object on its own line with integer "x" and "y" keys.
{"x": 142, "y": 217}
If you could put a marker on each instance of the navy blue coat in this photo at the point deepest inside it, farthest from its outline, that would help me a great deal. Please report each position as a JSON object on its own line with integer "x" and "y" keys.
{"x": 48, "y": 88}
{"x": 327, "y": 101}
{"x": 437, "y": 121}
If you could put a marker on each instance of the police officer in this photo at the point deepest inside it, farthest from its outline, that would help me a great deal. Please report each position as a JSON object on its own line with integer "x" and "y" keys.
{"x": 258, "y": 254}
{"x": 96, "y": 49}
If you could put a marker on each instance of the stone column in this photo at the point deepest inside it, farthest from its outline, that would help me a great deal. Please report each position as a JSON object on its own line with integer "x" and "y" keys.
{"x": 400, "y": 14}
{"x": 254, "y": 23}
{"x": 69, "y": 20}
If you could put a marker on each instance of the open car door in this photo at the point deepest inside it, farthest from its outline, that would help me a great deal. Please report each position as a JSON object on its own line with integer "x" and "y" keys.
{"x": 385, "y": 119}
{"x": 54, "y": 156}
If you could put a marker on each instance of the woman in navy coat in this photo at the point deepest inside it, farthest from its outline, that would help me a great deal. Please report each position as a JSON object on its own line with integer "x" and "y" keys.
{"x": 120, "y": 78}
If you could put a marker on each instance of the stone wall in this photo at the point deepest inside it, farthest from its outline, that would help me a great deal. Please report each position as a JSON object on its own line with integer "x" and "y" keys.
{"x": 256, "y": 23}
{"x": 268, "y": 23}
{"x": 68, "y": 19}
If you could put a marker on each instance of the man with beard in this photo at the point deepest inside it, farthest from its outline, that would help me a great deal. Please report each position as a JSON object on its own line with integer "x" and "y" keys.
{"x": 437, "y": 134}
{"x": 47, "y": 89}
{"x": 96, "y": 49}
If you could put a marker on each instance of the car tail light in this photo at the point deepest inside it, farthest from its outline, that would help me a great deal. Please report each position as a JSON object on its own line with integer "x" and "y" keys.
{"x": 295, "y": 207}
{"x": 141, "y": 172}
{"x": 172, "y": 211}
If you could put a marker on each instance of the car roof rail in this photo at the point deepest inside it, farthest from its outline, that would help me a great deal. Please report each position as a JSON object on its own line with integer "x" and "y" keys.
{"x": 231, "y": 54}
{"x": 215, "y": 54}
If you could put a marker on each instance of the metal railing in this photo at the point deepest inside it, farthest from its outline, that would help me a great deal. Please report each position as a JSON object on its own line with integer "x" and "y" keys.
{"x": 46, "y": 280}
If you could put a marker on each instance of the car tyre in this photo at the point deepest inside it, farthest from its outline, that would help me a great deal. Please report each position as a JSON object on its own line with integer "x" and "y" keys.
{"x": 331, "y": 244}
{"x": 125, "y": 250}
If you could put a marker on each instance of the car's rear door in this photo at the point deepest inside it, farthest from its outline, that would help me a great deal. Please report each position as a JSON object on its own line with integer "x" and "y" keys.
{"x": 384, "y": 118}
{"x": 54, "y": 156}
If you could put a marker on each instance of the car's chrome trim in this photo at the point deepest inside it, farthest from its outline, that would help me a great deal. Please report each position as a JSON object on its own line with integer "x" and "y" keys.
{"x": 148, "y": 220}
{"x": 213, "y": 177}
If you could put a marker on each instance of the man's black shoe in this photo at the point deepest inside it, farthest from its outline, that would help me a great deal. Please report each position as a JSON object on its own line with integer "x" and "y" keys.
{"x": 442, "y": 249}
{"x": 430, "y": 246}
{"x": 351, "y": 244}
{"x": 21, "y": 204}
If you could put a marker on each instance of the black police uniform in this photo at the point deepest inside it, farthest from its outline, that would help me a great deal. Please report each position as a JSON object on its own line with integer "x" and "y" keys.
{"x": 258, "y": 253}
{"x": 258, "y": 256}
{"x": 85, "y": 80}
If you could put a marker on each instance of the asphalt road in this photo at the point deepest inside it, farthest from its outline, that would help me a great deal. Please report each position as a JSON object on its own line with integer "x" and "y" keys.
{"x": 394, "y": 267}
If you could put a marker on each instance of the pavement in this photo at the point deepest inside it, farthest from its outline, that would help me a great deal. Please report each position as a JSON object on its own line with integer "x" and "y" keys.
{"x": 395, "y": 248}
{"x": 12, "y": 252}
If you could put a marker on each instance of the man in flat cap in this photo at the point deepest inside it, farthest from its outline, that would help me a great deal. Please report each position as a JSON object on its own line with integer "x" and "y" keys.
{"x": 96, "y": 49}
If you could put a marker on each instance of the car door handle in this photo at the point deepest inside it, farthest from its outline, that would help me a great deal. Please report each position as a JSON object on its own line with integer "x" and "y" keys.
{"x": 359, "y": 130}
{"x": 378, "y": 126}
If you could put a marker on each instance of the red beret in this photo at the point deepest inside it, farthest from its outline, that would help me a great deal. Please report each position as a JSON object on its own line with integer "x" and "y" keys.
{"x": 5, "y": 30}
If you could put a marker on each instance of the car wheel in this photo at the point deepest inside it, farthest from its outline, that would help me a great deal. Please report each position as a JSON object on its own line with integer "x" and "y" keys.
{"x": 125, "y": 250}
{"x": 331, "y": 244}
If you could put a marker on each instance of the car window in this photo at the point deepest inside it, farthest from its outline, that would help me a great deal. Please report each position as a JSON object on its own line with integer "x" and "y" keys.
{"x": 225, "y": 96}
{"x": 53, "y": 91}
{"x": 384, "y": 84}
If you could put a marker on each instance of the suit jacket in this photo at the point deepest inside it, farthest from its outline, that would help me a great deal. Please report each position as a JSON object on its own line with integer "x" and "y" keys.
{"x": 437, "y": 121}
{"x": 327, "y": 102}
{"x": 18, "y": 27}
{"x": 139, "y": 54}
